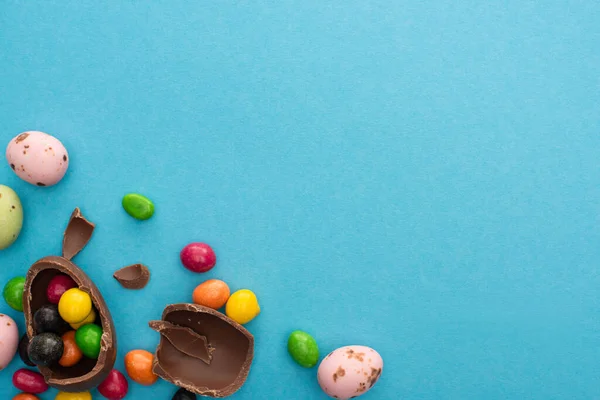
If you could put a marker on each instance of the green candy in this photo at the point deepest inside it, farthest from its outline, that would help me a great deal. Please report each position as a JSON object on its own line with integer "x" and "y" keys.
{"x": 13, "y": 293}
{"x": 138, "y": 206}
{"x": 303, "y": 349}
{"x": 88, "y": 340}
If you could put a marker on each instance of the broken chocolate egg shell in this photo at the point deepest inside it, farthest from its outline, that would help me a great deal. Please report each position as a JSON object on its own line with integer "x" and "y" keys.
{"x": 88, "y": 373}
{"x": 133, "y": 277}
{"x": 218, "y": 363}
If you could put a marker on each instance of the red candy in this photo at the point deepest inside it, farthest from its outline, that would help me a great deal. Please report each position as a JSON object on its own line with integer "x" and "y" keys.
{"x": 57, "y": 286}
{"x": 198, "y": 257}
{"x": 29, "y": 381}
{"x": 115, "y": 386}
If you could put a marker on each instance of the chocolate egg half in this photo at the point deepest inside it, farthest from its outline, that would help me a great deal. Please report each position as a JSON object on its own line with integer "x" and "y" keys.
{"x": 202, "y": 350}
{"x": 88, "y": 373}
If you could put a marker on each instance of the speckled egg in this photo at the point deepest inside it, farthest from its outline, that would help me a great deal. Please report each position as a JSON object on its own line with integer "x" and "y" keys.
{"x": 9, "y": 340}
{"x": 349, "y": 371}
{"x": 38, "y": 158}
{"x": 11, "y": 216}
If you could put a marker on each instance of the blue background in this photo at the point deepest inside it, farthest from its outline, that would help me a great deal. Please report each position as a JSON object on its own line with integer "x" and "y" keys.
{"x": 418, "y": 177}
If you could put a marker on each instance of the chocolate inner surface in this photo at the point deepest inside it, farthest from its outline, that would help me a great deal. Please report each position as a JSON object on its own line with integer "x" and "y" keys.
{"x": 230, "y": 348}
{"x": 38, "y": 299}
{"x": 133, "y": 276}
{"x": 185, "y": 340}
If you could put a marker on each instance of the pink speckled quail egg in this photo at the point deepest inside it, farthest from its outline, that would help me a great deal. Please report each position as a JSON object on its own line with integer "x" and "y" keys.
{"x": 9, "y": 340}
{"x": 349, "y": 371}
{"x": 38, "y": 158}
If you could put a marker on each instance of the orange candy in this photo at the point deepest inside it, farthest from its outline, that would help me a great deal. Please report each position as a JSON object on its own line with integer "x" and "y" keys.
{"x": 212, "y": 293}
{"x": 138, "y": 364}
{"x": 71, "y": 353}
{"x": 25, "y": 396}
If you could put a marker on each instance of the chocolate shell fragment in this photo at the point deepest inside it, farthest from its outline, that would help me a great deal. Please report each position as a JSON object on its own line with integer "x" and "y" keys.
{"x": 133, "y": 276}
{"x": 202, "y": 350}
{"x": 88, "y": 373}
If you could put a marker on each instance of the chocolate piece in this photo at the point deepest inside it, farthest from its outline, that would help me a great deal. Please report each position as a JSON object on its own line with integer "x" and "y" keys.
{"x": 229, "y": 343}
{"x": 88, "y": 373}
{"x": 135, "y": 276}
{"x": 185, "y": 340}
{"x": 77, "y": 235}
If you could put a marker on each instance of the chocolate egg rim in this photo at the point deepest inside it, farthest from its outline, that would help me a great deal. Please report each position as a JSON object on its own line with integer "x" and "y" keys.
{"x": 243, "y": 372}
{"x": 108, "y": 343}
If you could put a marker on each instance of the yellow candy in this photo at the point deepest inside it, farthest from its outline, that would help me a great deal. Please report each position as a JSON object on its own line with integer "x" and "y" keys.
{"x": 88, "y": 320}
{"x": 242, "y": 306}
{"x": 74, "y": 305}
{"x": 73, "y": 396}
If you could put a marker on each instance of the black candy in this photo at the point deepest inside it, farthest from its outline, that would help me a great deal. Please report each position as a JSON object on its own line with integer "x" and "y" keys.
{"x": 23, "y": 344}
{"x": 183, "y": 394}
{"x": 47, "y": 319}
{"x": 45, "y": 349}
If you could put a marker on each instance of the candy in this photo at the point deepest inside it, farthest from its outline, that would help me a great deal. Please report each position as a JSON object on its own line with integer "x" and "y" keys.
{"x": 202, "y": 350}
{"x": 88, "y": 340}
{"x": 183, "y": 394}
{"x": 23, "y": 345}
{"x": 38, "y": 158}
{"x": 11, "y": 215}
{"x": 58, "y": 286}
{"x": 115, "y": 386}
{"x": 90, "y": 319}
{"x": 9, "y": 340}
{"x": 349, "y": 371}
{"x": 45, "y": 349}
{"x": 13, "y": 293}
{"x": 71, "y": 353}
{"x": 303, "y": 349}
{"x": 47, "y": 319}
{"x": 212, "y": 293}
{"x": 198, "y": 257}
{"x": 75, "y": 305}
{"x": 138, "y": 364}
{"x": 29, "y": 381}
{"x": 242, "y": 306}
{"x": 138, "y": 206}
{"x": 88, "y": 373}
{"x": 73, "y": 396}
{"x": 25, "y": 396}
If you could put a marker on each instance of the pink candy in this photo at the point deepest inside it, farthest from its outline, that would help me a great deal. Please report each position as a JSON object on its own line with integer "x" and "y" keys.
{"x": 198, "y": 257}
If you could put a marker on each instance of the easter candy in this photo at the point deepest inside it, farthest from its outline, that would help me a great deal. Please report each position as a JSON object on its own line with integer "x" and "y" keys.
{"x": 74, "y": 305}
{"x": 71, "y": 352}
{"x": 349, "y": 371}
{"x": 212, "y": 293}
{"x": 45, "y": 349}
{"x": 88, "y": 340}
{"x": 138, "y": 364}
{"x": 115, "y": 386}
{"x": 13, "y": 293}
{"x": 11, "y": 216}
{"x": 25, "y": 396}
{"x": 37, "y": 158}
{"x": 9, "y": 340}
{"x": 90, "y": 319}
{"x": 198, "y": 257}
{"x": 303, "y": 349}
{"x": 73, "y": 396}
{"x": 183, "y": 394}
{"x": 58, "y": 286}
{"x": 29, "y": 381}
{"x": 47, "y": 319}
{"x": 242, "y": 306}
{"x": 23, "y": 348}
{"x": 138, "y": 206}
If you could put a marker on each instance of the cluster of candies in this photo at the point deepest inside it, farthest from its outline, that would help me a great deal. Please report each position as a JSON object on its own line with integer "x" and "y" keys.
{"x": 66, "y": 333}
